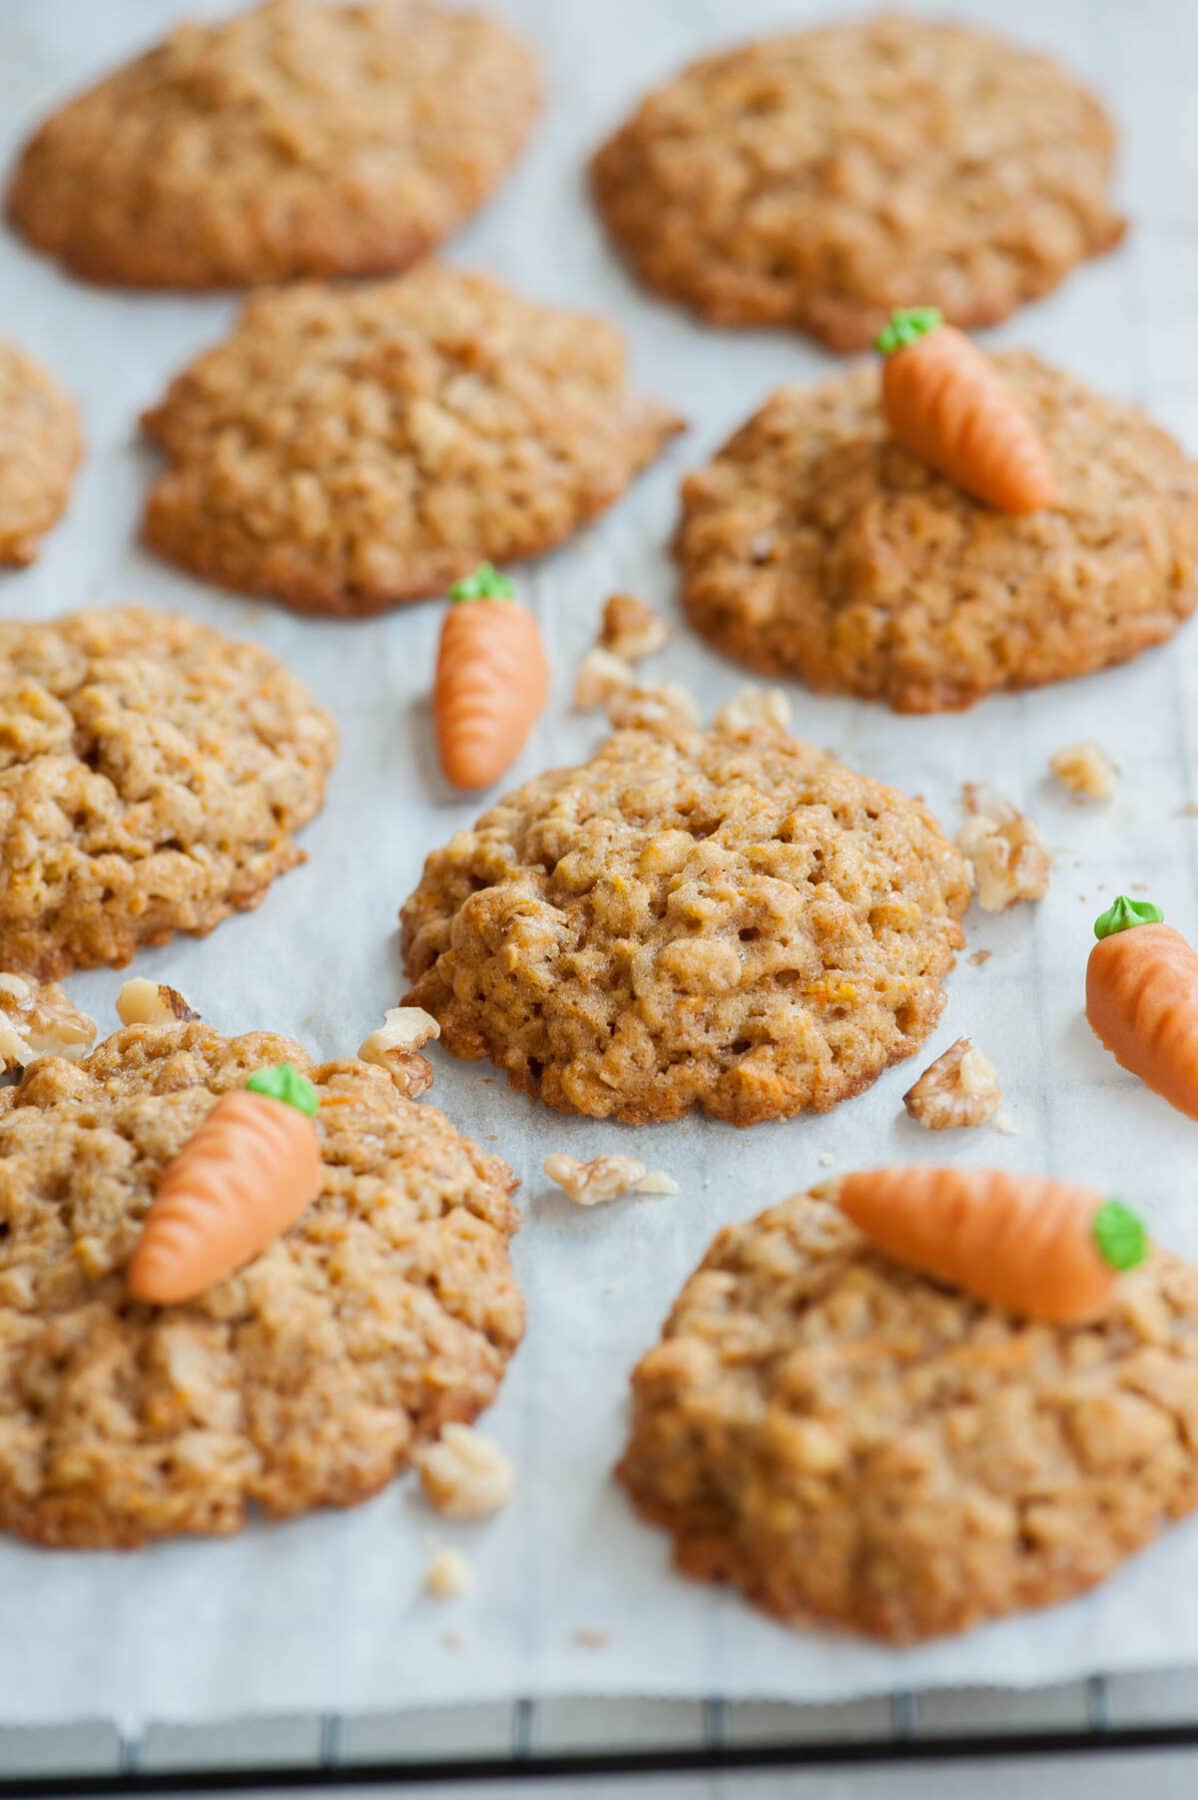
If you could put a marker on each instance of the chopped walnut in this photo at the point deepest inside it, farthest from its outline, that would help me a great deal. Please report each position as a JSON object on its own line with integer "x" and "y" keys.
{"x": 601, "y": 676}
{"x": 37, "y": 1019}
{"x": 464, "y": 1474}
{"x": 979, "y": 958}
{"x": 605, "y": 1178}
{"x": 631, "y": 629}
{"x": 589, "y": 1637}
{"x": 959, "y": 1088}
{"x": 448, "y": 1574}
{"x": 395, "y": 1044}
{"x": 660, "y": 703}
{"x": 754, "y": 706}
{"x": 142, "y": 1002}
{"x": 1006, "y": 853}
{"x": 1086, "y": 770}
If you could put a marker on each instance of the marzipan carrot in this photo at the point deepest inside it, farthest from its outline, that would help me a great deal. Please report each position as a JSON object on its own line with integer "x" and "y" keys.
{"x": 246, "y": 1175}
{"x": 1142, "y": 999}
{"x": 1040, "y": 1247}
{"x": 492, "y": 679}
{"x": 947, "y": 403}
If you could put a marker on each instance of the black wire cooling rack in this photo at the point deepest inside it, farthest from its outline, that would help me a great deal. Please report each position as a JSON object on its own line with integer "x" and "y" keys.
{"x": 1083, "y": 1718}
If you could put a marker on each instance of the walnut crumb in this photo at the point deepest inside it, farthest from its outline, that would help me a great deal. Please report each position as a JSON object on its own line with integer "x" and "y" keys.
{"x": 824, "y": 1159}
{"x": 464, "y": 1474}
{"x": 1006, "y": 854}
{"x": 631, "y": 629}
{"x": 588, "y": 1637}
{"x": 960, "y": 1088}
{"x": 663, "y": 703}
{"x": 600, "y": 678}
{"x": 142, "y": 1002}
{"x": 1086, "y": 770}
{"x": 37, "y": 1019}
{"x": 980, "y": 957}
{"x": 449, "y": 1574}
{"x": 394, "y": 1047}
{"x": 753, "y": 706}
{"x": 1003, "y": 1123}
{"x": 605, "y": 1178}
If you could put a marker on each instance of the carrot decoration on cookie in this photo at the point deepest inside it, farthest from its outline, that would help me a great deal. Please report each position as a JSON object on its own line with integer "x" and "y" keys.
{"x": 1043, "y": 1248}
{"x": 492, "y": 679}
{"x": 947, "y": 403}
{"x": 245, "y": 1176}
{"x": 1142, "y": 999}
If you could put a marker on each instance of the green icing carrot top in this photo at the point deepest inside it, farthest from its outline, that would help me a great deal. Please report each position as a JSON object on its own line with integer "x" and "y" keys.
{"x": 1123, "y": 913}
{"x": 284, "y": 1082}
{"x": 1120, "y": 1235}
{"x": 486, "y": 583}
{"x": 906, "y": 326}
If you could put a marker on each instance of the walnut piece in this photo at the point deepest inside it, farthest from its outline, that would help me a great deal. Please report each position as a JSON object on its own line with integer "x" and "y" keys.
{"x": 1006, "y": 853}
{"x": 959, "y": 1088}
{"x": 631, "y": 629}
{"x": 601, "y": 676}
{"x": 1086, "y": 770}
{"x": 142, "y": 1002}
{"x": 605, "y": 1178}
{"x": 37, "y": 1019}
{"x": 464, "y": 1474}
{"x": 395, "y": 1044}
{"x": 754, "y": 706}
{"x": 650, "y": 707}
{"x": 448, "y": 1574}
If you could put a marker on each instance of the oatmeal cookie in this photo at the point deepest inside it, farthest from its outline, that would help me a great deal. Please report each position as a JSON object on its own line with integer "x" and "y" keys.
{"x": 727, "y": 919}
{"x": 852, "y": 1443}
{"x": 814, "y": 545}
{"x": 823, "y": 178}
{"x": 348, "y": 448}
{"x": 292, "y": 139}
{"x": 152, "y": 775}
{"x": 40, "y": 447}
{"x": 306, "y": 1379}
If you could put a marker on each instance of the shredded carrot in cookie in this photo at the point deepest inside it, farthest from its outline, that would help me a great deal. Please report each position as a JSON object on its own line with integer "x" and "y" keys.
{"x": 946, "y": 403}
{"x": 1044, "y": 1248}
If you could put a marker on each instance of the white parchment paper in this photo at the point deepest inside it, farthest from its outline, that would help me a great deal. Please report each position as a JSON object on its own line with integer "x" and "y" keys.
{"x": 328, "y": 1612}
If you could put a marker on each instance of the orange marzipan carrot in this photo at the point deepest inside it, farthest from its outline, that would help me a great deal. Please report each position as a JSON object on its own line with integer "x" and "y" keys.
{"x": 947, "y": 403}
{"x": 1142, "y": 999}
{"x": 491, "y": 682}
{"x": 1044, "y": 1248}
{"x": 236, "y": 1185}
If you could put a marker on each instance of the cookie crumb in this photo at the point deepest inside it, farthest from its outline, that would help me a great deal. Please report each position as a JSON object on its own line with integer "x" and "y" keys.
{"x": 631, "y": 630}
{"x": 1187, "y": 812}
{"x": 753, "y": 706}
{"x": 449, "y": 1574}
{"x": 959, "y": 1089}
{"x": 453, "y": 1640}
{"x": 657, "y": 1182}
{"x": 37, "y": 1019}
{"x": 1002, "y": 1122}
{"x": 588, "y": 1637}
{"x": 979, "y": 958}
{"x": 1086, "y": 770}
{"x": 142, "y": 1002}
{"x": 592, "y": 1183}
{"x": 394, "y": 1046}
{"x": 657, "y": 705}
{"x": 1006, "y": 854}
{"x": 601, "y": 676}
{"x": 464, "y": 1474}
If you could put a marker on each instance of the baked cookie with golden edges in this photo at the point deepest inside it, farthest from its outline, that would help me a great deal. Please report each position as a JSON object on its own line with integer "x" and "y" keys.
{"x": 40, "y": 447}
{"x": 307, "y": 1378}
{"x": 728, "y": 919}
{"x": 348, "y": 448}
{"x": 823, "y": 178}
{"x": 852, "y": 1443}
{"x": 814, "y": 545}
{"x": 294, "y": 138}
{"x": 152, "y": 777}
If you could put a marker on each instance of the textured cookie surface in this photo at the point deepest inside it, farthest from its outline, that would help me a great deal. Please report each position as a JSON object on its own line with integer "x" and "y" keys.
{"x": 814, "y": 545}
{"x": 851, "y": 1443}
{"x": 731, "y": 920}
{"x": 347, "y": 448}
{"x": 39, "y": 449}
{"x": 152, "y": 774}
{"x": 822, "y": 178}
{"x": 307, "y": 1378}
{"x": 296, "y": 138}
